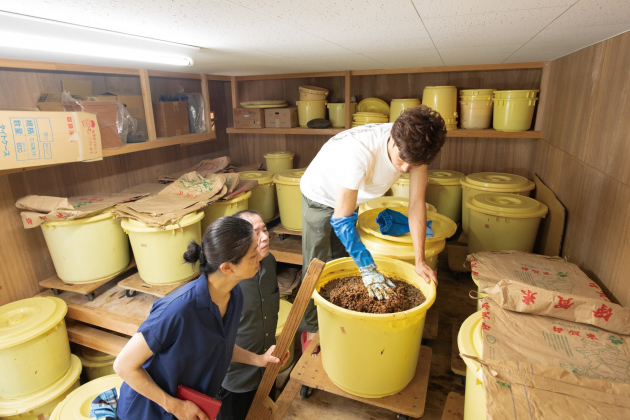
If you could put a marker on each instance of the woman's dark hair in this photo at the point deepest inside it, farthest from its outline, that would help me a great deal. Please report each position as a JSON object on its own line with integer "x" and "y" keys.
{"x": 227, "y": 239}
{"x": 419, "y": 135}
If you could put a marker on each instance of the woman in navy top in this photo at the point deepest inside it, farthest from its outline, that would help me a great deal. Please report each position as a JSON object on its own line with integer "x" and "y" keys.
{"x": 189, "y": 337}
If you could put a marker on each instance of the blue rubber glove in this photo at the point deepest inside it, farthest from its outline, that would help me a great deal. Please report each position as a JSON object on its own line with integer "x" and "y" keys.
{"x": 374, "y": 281}
{"x": 394, "y": 223}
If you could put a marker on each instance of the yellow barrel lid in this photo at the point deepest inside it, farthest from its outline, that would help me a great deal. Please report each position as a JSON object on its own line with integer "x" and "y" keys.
{"x": 290, "y": 177}
{"x": 15, "y": 406}
{"x": 283, "y": 314}
{"x": 386, "y": 202}
{"x": 499, "y": 182}
{"x": 106, "y": 214}
{"x": 443, "y": 177}
{"x": 23, "y": 320}
{"x": 476, "y": 92}
{"x": 263, "y": 177}
{"x": 76, "y": 406}
{"x": 279, "y": 154}
{"x": 442, "y": 226}
{"x": 470, "y": 342}
{"x": 313, "y": 89}
{"x": 95, "y": 355}
{"x": 134, "y": 225}
{"x": 507, "y": 205}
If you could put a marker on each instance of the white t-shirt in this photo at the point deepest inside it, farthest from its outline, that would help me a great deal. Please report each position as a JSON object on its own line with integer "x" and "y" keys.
{"x": 356, "y": 159}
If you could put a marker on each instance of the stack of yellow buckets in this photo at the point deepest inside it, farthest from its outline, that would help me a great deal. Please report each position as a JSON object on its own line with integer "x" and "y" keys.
{"x": 76, "y": 406}
{"x": 514, "y": 109}
{"x": 37, "y": 370}
{"x": 312, "y": 104}
{"x": 475, "y": 108}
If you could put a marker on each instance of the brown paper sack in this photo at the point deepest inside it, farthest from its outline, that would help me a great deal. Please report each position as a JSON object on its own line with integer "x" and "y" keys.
{"x": 203, "y": 168}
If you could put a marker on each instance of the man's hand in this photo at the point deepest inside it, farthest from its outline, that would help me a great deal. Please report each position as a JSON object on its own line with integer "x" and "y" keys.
{"x": 375, "y": 283}
{"x": 424, "y": 271}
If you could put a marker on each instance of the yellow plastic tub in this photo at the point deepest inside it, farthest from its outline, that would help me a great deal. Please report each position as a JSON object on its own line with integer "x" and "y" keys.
{"x": 279, "y": 161}
{"x": 34, "y": 347}
{"x": 337, "y": 113}
{"x": 283, "y": 314}
{"x": 515, "y": 94}
{"x": 371, "y": 355}
{"x": 87, "y": 250}
{"x": 401, "y": 247}
{"x": 503, "y": 222}
{"x": 76, "y": 406}
{"x": 398, "y": 106}
{"x": 40, "y": 405}
{"x": 389, "y": 202}
{"x": 159, "y": 251}
{"x": 401, "y": 187}
{"x": 470, "y": 342}
{"x": 263, "y": 197}
{"x": 96, "y": 363}
{"x": 513, "y": 115}
{"x": 442, "y": 99}
{"x": 444, "y": 191}
{"x": 475, "y": 114}
{"x": 312, "y": 93}
{"x": 290, "y": 198}
{"x": 310, "y": 110}
{"x": 497, "y": 182}
{"x": 223, "y": 208}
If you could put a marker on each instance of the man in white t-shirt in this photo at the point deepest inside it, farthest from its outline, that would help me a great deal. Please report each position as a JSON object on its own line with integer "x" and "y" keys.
{"x": 358, "y": 165}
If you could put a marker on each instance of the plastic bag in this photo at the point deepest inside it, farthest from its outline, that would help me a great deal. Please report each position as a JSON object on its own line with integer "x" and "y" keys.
{"x": 196, "y": 108}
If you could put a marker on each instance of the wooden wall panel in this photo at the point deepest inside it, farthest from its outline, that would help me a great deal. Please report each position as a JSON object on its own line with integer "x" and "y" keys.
{"x": 288, "y": 89}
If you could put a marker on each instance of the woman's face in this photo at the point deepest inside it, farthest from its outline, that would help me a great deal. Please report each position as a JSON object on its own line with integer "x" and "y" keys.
{"x": 248, "y": 266}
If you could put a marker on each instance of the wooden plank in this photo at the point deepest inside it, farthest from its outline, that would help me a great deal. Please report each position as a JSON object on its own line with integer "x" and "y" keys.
{"x": 410, "y": 401}
{"x": 291, "y": 76}
{"x": 347, "y": 94}
{"x": 279, "y": 229}
{"x": 160, "y": 142}
{"x": 443, "y": 69}
{"x": 543, "y": 96}
{"x": 288, "y": 250}
{"x": 459, "y": 133}
{"x": 234, "y": 89}
{"x": 55, "y": 282}
{"x": 148, "y": 106}
{"x": 135, "y": 283}
{"x": 205, "y": 93}
{"x": 174, "y": 75}
{"x": 286, "y": 398}
{"x": 95, "y": 339}
{"x": 454, "y": 408}
{"x": 259, "y": 410}
{"x": 103, "y": 319}
{"x": 219, "y": 78}
{"x": 490, "y": 133}
{"x": 298, "y": 131}
{"x": 75, "y": 68}
{"x": 431, "y": 322}
{"x": 457, "y": 363}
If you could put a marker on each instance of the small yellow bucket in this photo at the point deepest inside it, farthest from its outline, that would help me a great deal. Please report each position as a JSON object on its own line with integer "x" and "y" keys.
{"x": 442, "y": 99}
{"x": 445, "y": 192}
{"x": 159, "y": 251}
{"x": 34, "y": 347}
{"x": 470, "y": 342}
{"x": 283, "y": 314}
{"x": 401, "y": 247}
{"x": 87, "y": 250}
{"x": 76, "y": 406}
{"x": 312, "y": 93}
{"x": 290, "y": 198}
{"x": 501, "y": 222}
{"x": 513, "y": 115}
{"x": 389, "y": 202}
{"x": 224, "y": 208}
{"x": 337, "y": 113}
{"x": 475, "y": 115}
{"x": 96, "y": 363}
{"x": 371, "y": 355}
{"x": 398, "y": 106}
{"x": 310, "y": 110}
{"x": 40, "y": 405}
{"x": 481, "y": 182}
{"x": 263, "y": 198}
{"x": 279, "y": 161}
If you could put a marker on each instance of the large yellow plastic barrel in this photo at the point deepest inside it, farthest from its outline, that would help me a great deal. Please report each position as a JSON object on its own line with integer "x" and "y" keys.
{"x": 310, "y": 110}
{"x": 76, "y": 406}
{"x": 40, "y": 405}
{"x": 283, "y": 314}
{"x": 371, "y": 355}
{"x": 337, "y": 113}
{"x": 87, "y": 250}
{"x": 96, "y": 363}
{"x": 401, "y": 247}
{"x": 290, "y": 198}
{"x": 223, "y": 208}
{"x": 444, "y": 191}
{"x": 34, "y": 347}
{"x": 503, "y": 222}
{"x": 159, "y": 251}
{"x": 494, "y": 182}
{"x": 442, "y": 99}
{"x": 263, "y": 198}
{"x": 279, "y": 161}
{"x": 401, "y": 187}
{"x": 389, "y": 202}
{"x": 470, "y": 342}
{"x": 398, "y": 106}
{"x": 513, "y": 115}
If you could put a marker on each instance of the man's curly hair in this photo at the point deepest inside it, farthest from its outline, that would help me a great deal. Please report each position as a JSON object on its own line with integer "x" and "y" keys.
{"x": 419, "y": 134}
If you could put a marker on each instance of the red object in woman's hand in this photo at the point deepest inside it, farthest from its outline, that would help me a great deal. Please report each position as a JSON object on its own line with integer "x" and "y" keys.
{"x": 207, "y": 404}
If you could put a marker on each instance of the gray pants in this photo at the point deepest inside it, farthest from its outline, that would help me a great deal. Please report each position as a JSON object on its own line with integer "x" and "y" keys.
{"x": 318, "y": 241}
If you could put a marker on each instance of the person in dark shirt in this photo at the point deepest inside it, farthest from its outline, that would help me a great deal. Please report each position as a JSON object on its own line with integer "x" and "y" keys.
{"x": 189, "y": 337}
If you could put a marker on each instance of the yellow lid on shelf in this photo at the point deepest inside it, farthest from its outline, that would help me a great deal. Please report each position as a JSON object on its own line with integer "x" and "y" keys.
{"x": 470, "y": 342}
{"x": 23, "y": 320}
{"x": 442, "y": 177}
{"x": 498, "y": 182}
{"x": 279, "y": 154}
{"x": 507, "y": 205}
{"x": 76, "y": 406}
{"x": 134, "y": 225}
{"x": 283, "y": 314}
{"x": 290, "y": 177}
{"x": 263, "y": 177}
{"x": 313, "y": 89}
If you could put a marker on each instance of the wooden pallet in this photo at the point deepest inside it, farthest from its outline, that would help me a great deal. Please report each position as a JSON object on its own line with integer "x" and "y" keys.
{"x": 134, "y": 284}
{"x": 87, "y": 289}
{"x": 457, "y": 363}
{"x": 310, "y": 372}
{"x": 283, "y": 232}
{"x": 288, "y": 250}
{"x": 454, "y": 408}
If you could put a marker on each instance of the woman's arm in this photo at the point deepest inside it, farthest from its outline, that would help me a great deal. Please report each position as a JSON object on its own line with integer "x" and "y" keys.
{"x": 128, "y": 365}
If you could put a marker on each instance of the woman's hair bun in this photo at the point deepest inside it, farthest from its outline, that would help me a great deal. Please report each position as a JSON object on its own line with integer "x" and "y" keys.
{"x": 193, "y": 252}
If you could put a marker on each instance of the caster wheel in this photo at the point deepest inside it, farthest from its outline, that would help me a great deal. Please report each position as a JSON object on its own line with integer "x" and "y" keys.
{"x": 305, "y": 392}
{"x": 90, "y": 296}
{"x": 56, "y": 291}
{"x": 402, "y": 417}
{"x": 130, "y": 293}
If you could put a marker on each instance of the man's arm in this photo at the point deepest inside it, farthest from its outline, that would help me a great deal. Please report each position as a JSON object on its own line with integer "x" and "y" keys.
{"x": 345, "y": 202}
{"x": 418, "y": 180}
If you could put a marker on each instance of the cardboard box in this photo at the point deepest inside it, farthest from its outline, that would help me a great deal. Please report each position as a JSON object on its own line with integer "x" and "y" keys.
{"x": 30, "y": 138}
{"x": 171, "y": 118}
{"x": 281, "y": 117}
{"x": 77, "y": 87}
{"x": 107, "y": 114}
{"x": 50, "y": 102}
{"x": 134, "y": 105}
{"x": 249, "y": 118}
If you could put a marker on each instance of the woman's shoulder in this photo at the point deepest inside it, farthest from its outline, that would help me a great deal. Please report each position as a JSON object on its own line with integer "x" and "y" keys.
{"x": 180, "y": 300}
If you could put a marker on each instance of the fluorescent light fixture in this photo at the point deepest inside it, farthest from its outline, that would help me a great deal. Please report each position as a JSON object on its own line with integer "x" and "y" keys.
{"x": 65, "y": 46}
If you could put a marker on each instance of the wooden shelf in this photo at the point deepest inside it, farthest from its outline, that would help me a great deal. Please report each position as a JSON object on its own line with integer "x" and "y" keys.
{"x": 494, "y": 134}
{"x": 160, "y": 142}
{"x": 297, "y": 130}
